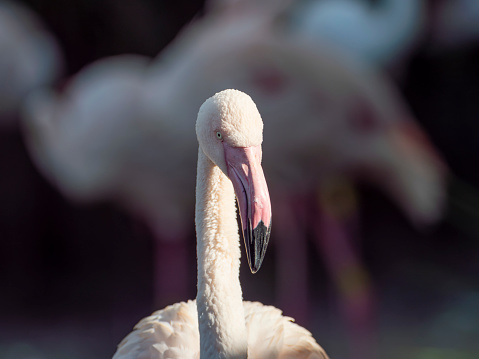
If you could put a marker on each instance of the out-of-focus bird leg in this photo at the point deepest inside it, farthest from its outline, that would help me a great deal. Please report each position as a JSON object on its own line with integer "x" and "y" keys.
{"x": 334, "y": 234}
{"x": 289, "y": 240}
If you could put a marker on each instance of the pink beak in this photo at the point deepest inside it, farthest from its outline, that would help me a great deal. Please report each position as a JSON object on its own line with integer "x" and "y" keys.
{"x": 246, "y": 173}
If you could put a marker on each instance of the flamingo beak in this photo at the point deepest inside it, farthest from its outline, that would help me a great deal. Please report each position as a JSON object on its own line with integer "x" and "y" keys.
{"x": 246, "y": 173}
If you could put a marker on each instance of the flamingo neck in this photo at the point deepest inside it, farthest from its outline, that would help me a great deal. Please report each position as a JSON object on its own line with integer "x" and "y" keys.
{"x": 219, "y": 298}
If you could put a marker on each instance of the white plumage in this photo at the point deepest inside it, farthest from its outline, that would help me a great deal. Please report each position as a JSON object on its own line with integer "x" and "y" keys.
{"x": 219, "y": 324}
{"x": 173, "y": 333}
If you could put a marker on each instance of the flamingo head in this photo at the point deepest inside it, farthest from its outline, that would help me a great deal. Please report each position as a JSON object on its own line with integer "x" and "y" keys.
{"x": 230, "y": 132}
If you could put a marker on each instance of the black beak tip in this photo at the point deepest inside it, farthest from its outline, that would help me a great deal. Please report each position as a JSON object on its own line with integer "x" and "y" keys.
{"x": 256, "y": 265}
{"x": 256, "y": 241}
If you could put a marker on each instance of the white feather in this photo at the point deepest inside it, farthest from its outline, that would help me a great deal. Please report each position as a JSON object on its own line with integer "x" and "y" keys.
{"x": 173, "y": 333}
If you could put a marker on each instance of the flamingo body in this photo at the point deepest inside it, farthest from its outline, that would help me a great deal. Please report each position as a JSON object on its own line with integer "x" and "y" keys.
{"x": 173, "y": 333}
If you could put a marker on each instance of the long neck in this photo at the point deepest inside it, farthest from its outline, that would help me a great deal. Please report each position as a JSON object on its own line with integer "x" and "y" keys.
{"x": 219, "y": 299}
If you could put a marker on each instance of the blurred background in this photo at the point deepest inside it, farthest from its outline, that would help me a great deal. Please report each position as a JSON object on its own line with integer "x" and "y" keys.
{"x": 75, "y": 276}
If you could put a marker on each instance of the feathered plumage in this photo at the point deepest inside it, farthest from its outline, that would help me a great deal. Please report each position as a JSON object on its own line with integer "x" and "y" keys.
{"x": 173, "y": 333}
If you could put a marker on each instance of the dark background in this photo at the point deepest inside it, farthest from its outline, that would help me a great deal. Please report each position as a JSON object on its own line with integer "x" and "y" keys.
{"x": 74, "y": 278}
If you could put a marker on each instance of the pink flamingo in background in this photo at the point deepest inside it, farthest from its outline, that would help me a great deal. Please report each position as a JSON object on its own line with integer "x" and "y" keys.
{"x": 29, "y": 57}
{"x": 94, "y": 142}
{"x": 121, "y": 131}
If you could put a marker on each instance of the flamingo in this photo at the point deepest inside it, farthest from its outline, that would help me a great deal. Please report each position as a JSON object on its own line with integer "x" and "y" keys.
{"x": 30, "y": 58}
{"x": 219, "y": 324}
{"x": 380, "y": 34}
{"x": 326, "y": 118}
{"x": 95, "y": 143}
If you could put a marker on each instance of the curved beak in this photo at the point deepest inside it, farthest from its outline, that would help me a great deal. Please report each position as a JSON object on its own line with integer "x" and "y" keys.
{"x": 246, "y": 173}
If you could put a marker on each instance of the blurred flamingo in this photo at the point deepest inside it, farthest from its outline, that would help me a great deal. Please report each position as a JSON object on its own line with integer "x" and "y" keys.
{"x": 380, "y": 34}
{"x": 325, "y": 118}
{"x": 94, "y": 142}
{"x": 29, "y": 57}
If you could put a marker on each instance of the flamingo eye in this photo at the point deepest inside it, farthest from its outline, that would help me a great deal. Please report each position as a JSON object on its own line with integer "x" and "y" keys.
{"x": 219, "y": 136}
